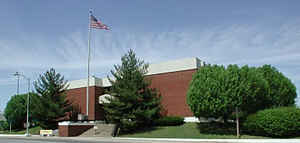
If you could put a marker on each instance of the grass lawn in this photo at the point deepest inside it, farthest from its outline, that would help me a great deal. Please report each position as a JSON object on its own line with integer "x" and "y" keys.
{"x": 33, "y": 131}
{"x": 190, "y": 130}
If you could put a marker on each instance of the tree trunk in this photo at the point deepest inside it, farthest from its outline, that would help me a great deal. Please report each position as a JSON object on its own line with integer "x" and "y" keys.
{"x": 237, "y": 122}
{"x": 225, "y": 118}
{"x": 9, "y": 127}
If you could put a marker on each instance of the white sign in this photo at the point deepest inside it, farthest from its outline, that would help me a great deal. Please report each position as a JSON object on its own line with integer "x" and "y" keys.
{"x": 102, "y": 98}
{"x": 46, "y": 132}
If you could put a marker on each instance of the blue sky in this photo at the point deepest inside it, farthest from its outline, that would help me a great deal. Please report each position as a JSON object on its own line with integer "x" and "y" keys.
{"x": 38, "y": 35}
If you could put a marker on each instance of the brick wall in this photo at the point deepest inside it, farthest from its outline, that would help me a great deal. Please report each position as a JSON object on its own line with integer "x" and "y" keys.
{"x": 73, "y": 130}
{"x": 99, "y": 112}
{"x": 173, "y": 87}
{"x": 77, "y": 97}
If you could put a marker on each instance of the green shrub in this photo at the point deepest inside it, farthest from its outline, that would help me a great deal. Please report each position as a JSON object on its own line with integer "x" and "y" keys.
{"x": 4, "y": 125}
{"x": 169, "y": 121}
{"x": 277, "y": 122}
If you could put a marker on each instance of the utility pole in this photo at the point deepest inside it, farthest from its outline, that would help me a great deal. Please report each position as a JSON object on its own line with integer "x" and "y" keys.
{"x": 17, "y": 74}
{"x": 18, "y": 84}
{"x": 27, "y": 120}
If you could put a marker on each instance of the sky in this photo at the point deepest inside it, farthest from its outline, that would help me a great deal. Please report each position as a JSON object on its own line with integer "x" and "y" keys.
{"x": 38, "y": 35}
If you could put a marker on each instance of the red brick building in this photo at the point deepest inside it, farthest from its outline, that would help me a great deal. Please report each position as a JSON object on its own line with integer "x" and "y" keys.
{"x": 170, "y": 78}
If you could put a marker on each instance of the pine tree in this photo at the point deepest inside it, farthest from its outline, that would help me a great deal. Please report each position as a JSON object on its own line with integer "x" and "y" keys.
{"x": 52, "y": 105}
{"x": 133, "y": 104}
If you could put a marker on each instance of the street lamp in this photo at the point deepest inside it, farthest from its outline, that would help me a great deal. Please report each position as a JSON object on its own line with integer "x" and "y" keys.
{"x": 28, "y": 79}
{"x": 17, "y": 74}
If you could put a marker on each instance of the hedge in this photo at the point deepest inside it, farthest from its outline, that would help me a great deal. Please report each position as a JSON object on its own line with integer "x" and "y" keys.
{"x": 169, "y": 121}
{"x": 277, "y": 122}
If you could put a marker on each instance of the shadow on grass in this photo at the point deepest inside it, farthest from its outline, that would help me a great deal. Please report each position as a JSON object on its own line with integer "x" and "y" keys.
{"x": 32, "y": 130}
{"x": 217, "y": 128}
{"x": 141, "y": 130}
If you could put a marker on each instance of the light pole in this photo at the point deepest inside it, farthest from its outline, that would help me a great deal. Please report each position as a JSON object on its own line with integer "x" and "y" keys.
{"x": 17, "y": 74}
{"x": 27, "y": 120}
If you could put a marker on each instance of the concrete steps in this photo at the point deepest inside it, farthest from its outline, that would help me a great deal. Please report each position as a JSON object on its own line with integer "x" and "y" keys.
{"x": 99, "y": 130}
{"x": 104, "y": 130}
{"x": 89, "y": 133}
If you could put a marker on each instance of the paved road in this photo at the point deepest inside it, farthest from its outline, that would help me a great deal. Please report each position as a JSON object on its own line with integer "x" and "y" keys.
{"x": 81, "y": 140}
{"x": 37, "y": 139}
{"x": 74, "y": 140}
{"x": 21, "y": 140}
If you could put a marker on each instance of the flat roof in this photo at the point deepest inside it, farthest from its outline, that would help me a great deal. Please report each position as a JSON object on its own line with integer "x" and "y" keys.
{"x": 174, "y": 65}
{"x": 94, "y": 81}
{"x": 158, "y": 68}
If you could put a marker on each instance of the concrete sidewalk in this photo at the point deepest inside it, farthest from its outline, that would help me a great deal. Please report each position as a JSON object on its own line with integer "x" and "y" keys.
{"x": 153, "y": 140}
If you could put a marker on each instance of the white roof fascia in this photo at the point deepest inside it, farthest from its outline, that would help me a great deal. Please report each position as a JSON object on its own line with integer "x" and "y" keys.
{"x": 164, "y": 67}
{"x": 69, "y": 123}
{"x": 83, "y": 83}
{"x": 105, "y": 82}
{"x": 174, "y": 65}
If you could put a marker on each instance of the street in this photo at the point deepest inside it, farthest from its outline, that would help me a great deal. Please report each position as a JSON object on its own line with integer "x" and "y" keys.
{"x": 69, "y": 140}
{"x": 38, "y": 139}
{"x": 22, "y": 140}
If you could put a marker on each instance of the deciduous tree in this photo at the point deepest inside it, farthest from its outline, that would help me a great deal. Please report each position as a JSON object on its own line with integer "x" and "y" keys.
{"x": 215, "y": 91}
{"x": 16, "y": 110}
{"x": 282, "y": 90}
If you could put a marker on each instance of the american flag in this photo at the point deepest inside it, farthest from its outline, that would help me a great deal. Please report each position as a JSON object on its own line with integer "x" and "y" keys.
{"x": 97, "y": 24}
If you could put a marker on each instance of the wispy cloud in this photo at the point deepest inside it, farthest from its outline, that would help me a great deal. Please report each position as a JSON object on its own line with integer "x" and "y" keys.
{"x": 242, "y": 44}
{"x": 234, "y": 44}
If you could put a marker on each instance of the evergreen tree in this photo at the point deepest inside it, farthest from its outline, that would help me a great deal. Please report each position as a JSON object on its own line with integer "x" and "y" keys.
{"x": 51, "y": 103}
{"x": 133, "y": 104}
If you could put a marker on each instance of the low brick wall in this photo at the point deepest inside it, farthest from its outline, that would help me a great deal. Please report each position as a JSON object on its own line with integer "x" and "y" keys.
{"x": 69, "y": 129}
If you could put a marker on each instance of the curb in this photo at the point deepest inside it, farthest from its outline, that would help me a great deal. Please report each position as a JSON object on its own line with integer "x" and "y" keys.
{"x": 132, "y": 140}
{"x": 12, "y": 135}
{"x": 216, "y": 140}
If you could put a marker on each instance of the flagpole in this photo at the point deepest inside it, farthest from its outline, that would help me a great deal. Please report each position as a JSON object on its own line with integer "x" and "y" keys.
{"x": 88, "y": 66}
